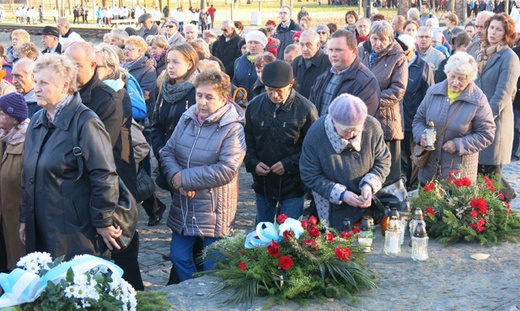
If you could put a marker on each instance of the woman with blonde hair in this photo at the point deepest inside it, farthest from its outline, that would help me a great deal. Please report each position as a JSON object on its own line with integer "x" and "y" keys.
{"x": 158, "y": 48}
{"x": 18, "y": 36}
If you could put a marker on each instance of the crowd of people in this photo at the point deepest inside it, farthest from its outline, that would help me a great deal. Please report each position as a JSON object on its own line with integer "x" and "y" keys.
{"x": 331, "y": 112}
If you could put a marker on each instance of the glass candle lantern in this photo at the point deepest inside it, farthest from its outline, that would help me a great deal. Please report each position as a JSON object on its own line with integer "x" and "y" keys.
{"x": 420, "y": 243}
{"x": 393, "y": 237}
{"x": 431, "y": 135}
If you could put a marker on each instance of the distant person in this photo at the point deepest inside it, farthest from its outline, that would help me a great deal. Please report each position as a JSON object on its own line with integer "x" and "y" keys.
{"x": 50, "y": 40}
{"x": 303, "y": 12}
{"x": 149, "y": 27}
{"x": 23, "y": 81}
{"x": 226, "y": 47}
{"x": 66, "y": 33}
{"x": 285, "y": 30}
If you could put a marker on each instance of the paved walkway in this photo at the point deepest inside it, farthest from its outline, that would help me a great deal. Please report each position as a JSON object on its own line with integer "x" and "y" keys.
{"x": 155, "y": 241}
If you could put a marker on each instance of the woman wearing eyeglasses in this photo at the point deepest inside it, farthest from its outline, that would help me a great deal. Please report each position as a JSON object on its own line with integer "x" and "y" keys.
{"x": 172, "y": 33}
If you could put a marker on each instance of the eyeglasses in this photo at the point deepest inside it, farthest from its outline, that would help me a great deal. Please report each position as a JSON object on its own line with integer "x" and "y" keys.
{"x": 424, "y": 37}
{"x": 283, "y": 13}
{"x": 169, "y": 26}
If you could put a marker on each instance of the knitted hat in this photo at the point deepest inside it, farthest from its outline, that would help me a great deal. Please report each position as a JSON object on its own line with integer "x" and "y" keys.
{"x": 257, "y": 36}
{"x": 297, "y": 34}
{"x": 277, "y": 74}
{"x": 348, "y": 110}
{"x": 324, "y": 28}
{"x": 14, "y": 105}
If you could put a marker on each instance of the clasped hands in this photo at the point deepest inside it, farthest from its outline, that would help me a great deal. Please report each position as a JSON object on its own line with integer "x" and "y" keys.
{"x": 263, "y": 169}
{"x": 177, "y": 184}
{"x": 362, "y": 201}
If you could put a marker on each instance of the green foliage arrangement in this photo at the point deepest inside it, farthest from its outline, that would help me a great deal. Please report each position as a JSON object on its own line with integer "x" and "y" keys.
{"x": 293, "y": 261}
{"x": 457, "y": 210}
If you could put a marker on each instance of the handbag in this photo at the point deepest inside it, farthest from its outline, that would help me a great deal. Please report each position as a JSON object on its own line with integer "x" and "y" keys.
{"x": 392, "y": 194}
{"x": 126, "y": 212}
{"x": 420, "y": 155}
{"x": 145, "y": 186}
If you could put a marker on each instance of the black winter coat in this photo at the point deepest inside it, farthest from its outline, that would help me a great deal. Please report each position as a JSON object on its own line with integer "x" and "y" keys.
{"x": 420, "y": 78}
{"x": 285, "y": 36}
{"x": 304, "y": 77}
{"x": 60, "y": 211}
{"x": 276, "y": 134}
{"x": 227, "y": 51}
{"x": 102, "y": 99}
{"x": 146, "y": 75}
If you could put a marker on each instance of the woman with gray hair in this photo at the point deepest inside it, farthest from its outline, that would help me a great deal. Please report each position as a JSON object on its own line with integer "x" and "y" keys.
{"x": 385, "y": 57}
{"x": 344, "y": 161}
{"x": 461, "y": 113}
{"x": 63, "y": 213}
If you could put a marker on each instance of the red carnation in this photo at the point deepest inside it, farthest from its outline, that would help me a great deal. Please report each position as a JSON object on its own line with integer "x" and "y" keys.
{"x": 489, "y": 183}
{"x": 474, "y": 213}
{"x": 242, "y": 252}
{"x": 430, "y": 211}
{"x": 346, "y": 234}
{"x": 305, "y": 224}
{"x": 429, "y": 187}
{"x": 343, "y": 253}
{"x": 473, "y": 225}
{"x": 242, "y": 266}
{"x": 329, "y": 237}
{"x": 273, "y": 250}
{"x": 478, "y": 203}
{"x": 314, "y": 231}
{"x": 356, "y": 230}
{"x": 311, "y": 244}
{"x": 501, "y": 196}
{"x": 483, "y": 209}
{"x": 287, "y": 234}
{"x": 281, "y": 218}
{"x": 285, "y": 263}
{"x": 313, "y": 220}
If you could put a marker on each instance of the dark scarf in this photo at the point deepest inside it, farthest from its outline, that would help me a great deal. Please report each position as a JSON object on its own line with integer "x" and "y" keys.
{"x": 174, "y": 92}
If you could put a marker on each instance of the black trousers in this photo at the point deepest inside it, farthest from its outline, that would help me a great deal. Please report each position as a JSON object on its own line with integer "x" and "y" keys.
{"x": 409, "y": 169}
{"x": 127, "y": 260}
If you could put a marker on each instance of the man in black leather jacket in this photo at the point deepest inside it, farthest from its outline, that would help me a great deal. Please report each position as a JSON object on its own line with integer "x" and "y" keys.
{"x": 276, "y": 124}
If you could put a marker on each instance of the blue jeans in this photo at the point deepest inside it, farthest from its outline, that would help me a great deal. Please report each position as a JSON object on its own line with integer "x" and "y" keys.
{"x": 181, "y": 255}
{"x": 266, "y": 208}
{"x": 515, "y": 156}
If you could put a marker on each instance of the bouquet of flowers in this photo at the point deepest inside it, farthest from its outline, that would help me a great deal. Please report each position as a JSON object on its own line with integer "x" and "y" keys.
{"x": 293, "y": 260}
{"x": 84, "y": 283}
{"x": 457, "y": 209}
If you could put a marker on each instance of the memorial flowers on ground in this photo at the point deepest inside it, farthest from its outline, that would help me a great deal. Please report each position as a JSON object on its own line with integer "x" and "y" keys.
{"x": 457, "y": 210}
{"x": 291, "y": 260}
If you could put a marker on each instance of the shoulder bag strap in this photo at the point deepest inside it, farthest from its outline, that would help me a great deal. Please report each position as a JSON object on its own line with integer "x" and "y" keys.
{"x": 76, "y": 149}
{"x": 449, "y": 121}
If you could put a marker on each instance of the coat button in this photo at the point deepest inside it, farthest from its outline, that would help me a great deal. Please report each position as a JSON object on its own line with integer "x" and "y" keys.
{"x": 31, "y": 180}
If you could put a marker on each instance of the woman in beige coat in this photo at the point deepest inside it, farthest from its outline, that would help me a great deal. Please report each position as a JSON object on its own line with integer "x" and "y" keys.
{"x": 385, "y": 57}
{"x": 13, "y": 123}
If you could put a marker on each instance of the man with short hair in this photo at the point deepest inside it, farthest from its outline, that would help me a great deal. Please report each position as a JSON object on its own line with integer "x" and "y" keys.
{"x": 191, "y": 32}
{"x": 451, "y": 27}
{"x": 431, "y": 55}
{"x": 312, "y": 63}
{"x": 50, "y": 40}
{"x": 285, "y": 30}
{"x": 149, "y": 27}
{"x": 23, "y": 80}
{"x": 420, "y": 78}
{"x": 108, "y": 105}
{"x": 66, "y": 33}
{"x": 118, "y": 37}
{"x": 291, "y": 52}
{"x": 480, "y": 32}
{"x": 226, "y": 47}
{"x": 398, "y": 25}
{"x": 425, "y": 14}
{"x": 276, "y": 124}
{"x": 347, "y": 75}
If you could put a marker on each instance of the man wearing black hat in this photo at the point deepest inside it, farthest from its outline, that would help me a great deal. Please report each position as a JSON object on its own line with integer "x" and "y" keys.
{"x": 276, "y": 124}
{"x": 50, "y": 40}
{"x": 149, "y": 27}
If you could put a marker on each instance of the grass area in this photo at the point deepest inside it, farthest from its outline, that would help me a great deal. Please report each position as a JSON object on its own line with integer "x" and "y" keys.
{"x": 321, "y": 14}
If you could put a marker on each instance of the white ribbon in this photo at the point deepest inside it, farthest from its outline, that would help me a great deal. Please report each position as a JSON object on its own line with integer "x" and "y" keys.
{"x": 266, "y": 232}
{"x": 21, "y": 286}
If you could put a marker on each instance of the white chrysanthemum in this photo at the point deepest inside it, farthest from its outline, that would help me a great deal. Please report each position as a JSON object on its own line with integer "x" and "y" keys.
{"x": 32, "y": 266}
{"x": 92, "y": 292}
{"x": 70, "y": 291}
{"x": 81, "y": 279}
{"x": 80, "y": 291}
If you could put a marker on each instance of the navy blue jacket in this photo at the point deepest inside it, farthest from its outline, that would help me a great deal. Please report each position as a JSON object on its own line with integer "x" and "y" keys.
{"x": 305, "y": 77}
{"x": 420, "y": 78}
{"x": 245, "y": 75}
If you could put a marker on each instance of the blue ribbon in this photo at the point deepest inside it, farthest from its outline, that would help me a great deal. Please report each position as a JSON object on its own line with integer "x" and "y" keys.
{"x": 266, "y": 232}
